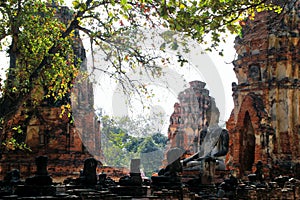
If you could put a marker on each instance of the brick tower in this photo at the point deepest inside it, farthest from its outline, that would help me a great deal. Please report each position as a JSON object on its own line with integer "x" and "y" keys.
{"x": 265, "y": 122}
{"x": 67, "y": 141}
{"x": 195, "y": 110}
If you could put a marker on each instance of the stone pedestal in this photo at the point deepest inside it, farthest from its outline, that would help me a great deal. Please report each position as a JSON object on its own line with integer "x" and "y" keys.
{"x": 40, "y": 184}
{"x": 131, "y": 185}
{"x": 89, "y": 172}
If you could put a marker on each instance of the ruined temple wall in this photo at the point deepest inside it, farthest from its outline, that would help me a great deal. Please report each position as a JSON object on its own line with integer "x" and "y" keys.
{"x": 267, "y": 68}
{"x": 67, "y": 137}
{"x": 51, "y": 135}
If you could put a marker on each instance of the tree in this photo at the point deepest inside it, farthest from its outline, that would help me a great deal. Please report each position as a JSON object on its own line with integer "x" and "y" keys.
{"x": 42, "y": 60}
{"x": 151, "y": 156}
{"x": 119, "y": 147}
{"x": 160, "y": 139}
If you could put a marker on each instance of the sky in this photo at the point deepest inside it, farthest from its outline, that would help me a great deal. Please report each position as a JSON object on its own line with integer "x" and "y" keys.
{"x": 216, "y": 71}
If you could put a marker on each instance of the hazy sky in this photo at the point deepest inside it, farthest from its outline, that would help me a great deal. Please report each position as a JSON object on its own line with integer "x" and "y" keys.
{"x": 215, "y": 70}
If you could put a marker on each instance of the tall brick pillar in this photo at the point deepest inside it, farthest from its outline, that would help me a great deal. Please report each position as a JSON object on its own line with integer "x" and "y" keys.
{"x": 195, "y": 110}
{"x": 265, "y": 122}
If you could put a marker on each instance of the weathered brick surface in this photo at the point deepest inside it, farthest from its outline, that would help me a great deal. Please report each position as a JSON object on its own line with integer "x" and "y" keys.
{"x": 194, "y": 110}
{"x": 65, "y": 144}
{"x": 264, "y": 124}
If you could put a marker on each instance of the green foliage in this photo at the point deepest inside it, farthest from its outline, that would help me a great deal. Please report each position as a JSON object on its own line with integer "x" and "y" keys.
{"x": 148, "y": 146}
{"x": 13, "y": 144}
{"x": 42, "y": 62}
{"x": 151, "y": 156}
{"x": 119, "y": 147}
{"x": 214, "y": 18}
{"x": 16, "y": 142}
{"x": 159, "y": 139}
{"x": 36, "y": 31}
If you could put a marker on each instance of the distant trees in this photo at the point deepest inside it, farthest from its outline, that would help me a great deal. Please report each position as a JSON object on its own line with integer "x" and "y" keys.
{"x": 119, "y": 147}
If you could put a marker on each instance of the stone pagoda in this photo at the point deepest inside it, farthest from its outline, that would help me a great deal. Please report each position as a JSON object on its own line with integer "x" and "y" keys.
{"x": 194, "y": 112}
{"x": 265, "y": 122}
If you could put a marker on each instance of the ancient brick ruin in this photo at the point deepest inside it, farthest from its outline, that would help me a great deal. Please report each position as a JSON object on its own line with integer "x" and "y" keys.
{"x": 265, "y": 122}
{"x": 67, "y": 141}
{"x": 195, "y": 110}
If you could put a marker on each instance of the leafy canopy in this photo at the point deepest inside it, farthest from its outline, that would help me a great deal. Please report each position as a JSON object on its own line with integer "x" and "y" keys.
{"x": 40, "y": 42}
